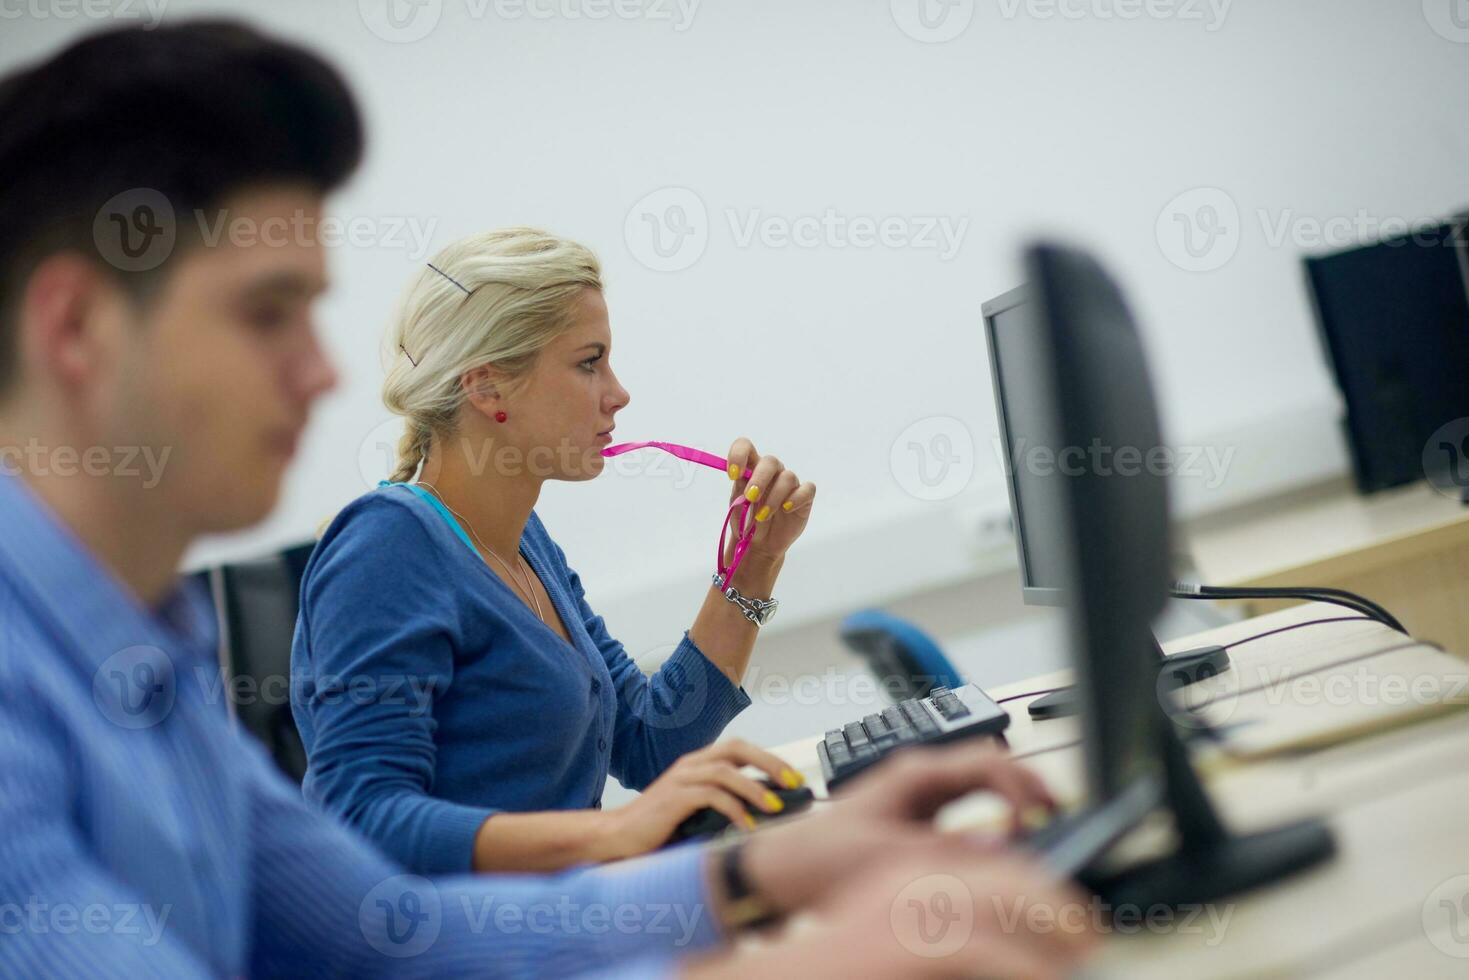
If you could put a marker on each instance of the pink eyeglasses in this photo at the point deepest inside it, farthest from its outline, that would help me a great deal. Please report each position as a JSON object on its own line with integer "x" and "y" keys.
{"x": 746, "y": 528}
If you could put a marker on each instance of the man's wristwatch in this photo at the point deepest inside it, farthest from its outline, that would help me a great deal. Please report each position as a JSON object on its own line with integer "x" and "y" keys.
{"x": 746, "y": 908}
{"x": 757, "y": 611}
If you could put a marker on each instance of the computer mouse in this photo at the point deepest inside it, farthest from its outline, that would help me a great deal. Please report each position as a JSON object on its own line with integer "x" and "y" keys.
{"x": 709, "y": 822}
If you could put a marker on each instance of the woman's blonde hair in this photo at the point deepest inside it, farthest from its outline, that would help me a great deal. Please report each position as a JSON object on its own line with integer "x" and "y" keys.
{"x": 495, "y": 298}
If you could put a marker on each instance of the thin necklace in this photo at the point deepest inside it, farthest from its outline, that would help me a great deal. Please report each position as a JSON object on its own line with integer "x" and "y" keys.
{"x": 524, "y": 585}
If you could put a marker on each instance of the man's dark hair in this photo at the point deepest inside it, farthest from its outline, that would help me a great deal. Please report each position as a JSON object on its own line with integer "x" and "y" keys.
{"x": 189, "y": 114}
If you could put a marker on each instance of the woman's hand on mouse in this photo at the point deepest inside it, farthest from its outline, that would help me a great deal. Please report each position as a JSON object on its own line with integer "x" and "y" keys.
{"x": 706, "y": 778}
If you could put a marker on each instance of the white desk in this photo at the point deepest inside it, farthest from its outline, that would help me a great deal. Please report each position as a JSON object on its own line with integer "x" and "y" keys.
{"x": 1395, "y": 797}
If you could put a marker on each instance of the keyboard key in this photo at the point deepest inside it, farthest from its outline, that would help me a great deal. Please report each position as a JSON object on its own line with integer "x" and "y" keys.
{"x": 949, "y": 707}
{"x": 875, "y": 725}
{"x": 856, "y": 735}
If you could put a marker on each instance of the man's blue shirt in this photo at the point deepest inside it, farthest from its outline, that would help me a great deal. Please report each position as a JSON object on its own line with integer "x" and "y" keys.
{"x": 142, "y": 835}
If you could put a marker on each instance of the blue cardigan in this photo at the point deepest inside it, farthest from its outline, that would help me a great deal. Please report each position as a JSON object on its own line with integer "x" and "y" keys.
{"x": 429, "y": 695}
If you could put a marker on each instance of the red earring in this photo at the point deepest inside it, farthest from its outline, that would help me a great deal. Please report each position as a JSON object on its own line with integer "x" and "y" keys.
{"x": 500, "y": 416}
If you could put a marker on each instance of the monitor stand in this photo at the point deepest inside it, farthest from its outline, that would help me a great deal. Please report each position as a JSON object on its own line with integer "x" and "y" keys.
{"x": 1177, "y": 670}
{"x": 1209, "y": 861}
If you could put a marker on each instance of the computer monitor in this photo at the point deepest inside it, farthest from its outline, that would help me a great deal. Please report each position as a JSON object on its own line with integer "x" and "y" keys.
{"x": 1089, "y": 380}
{"x": 1035, "y": 504}
{"x": 1394, "y": 318}
{"x": 1034, "y": 465}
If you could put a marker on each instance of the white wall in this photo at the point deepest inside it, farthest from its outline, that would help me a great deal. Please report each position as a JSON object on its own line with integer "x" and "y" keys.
{"x": 1089, "y": 125}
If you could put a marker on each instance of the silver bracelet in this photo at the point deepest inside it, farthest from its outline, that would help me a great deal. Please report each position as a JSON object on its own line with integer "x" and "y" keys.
{"x": 757, "y": 611}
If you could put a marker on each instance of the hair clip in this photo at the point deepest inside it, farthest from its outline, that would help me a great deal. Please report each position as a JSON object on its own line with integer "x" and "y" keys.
{"x": 408, "y": 355}
{"x": 448, "y": 277}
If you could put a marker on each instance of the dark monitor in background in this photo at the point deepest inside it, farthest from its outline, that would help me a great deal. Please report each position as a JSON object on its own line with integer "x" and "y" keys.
{"x": 1033, "y": 462}
{"x": 1088, "y": 379}
{"x": 1394, "y": 317}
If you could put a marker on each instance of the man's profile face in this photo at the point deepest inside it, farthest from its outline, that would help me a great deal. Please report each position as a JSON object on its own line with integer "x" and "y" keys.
{"x": 222, "y": 364}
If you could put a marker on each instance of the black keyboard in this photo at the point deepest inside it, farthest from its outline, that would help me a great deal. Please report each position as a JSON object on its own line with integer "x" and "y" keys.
{"x": 943, "y": 716}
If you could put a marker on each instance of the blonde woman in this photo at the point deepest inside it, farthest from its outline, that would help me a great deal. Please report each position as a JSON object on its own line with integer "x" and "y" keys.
{"x": 460, "y": 702}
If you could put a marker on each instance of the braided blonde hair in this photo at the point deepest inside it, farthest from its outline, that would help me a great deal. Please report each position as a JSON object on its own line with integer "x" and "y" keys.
{"x": 498, "y": 298}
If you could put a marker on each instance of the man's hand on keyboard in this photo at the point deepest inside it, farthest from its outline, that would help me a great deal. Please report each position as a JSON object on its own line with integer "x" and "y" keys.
{"x": 888, "y": 813}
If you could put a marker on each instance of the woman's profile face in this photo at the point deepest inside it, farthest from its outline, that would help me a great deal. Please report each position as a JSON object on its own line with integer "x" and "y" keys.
{"x": 571, "y": 397}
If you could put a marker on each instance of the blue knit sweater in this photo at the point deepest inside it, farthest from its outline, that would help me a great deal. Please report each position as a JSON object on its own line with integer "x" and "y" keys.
{"x": 430, "y": 696}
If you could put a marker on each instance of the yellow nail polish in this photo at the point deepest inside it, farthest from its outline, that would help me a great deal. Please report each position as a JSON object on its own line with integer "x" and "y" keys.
{"x": 749, "y": 821}
{"x": 773, "y": 803}
{"x": 752, "y": 493}
{"x": 787, "y": 505}
{"x": 1034, "y": 817}
{"x": 791, "y": 778}
{"x": 734, "y": 471}
{"x": 763, "y": 514}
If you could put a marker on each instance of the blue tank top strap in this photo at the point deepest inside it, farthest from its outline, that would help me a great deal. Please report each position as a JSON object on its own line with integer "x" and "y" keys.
{"x": 437, "y": 505}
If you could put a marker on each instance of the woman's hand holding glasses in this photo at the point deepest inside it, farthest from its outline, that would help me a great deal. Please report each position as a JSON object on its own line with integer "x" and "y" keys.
{"x": 770, "y": 509}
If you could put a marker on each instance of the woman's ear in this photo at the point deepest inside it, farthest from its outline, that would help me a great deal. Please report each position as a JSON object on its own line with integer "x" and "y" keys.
{"x": 480, "y": 388}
